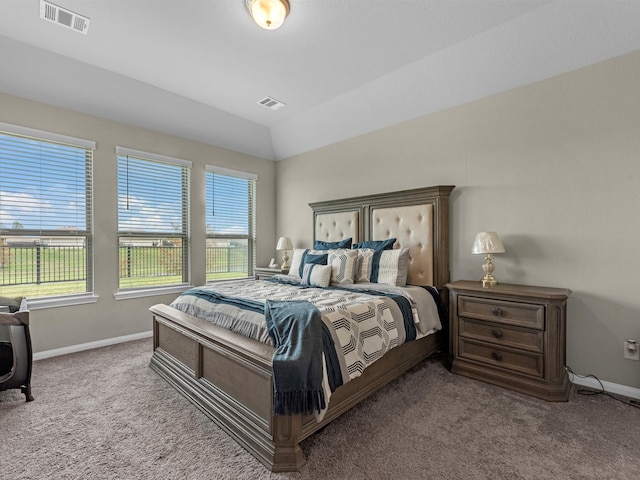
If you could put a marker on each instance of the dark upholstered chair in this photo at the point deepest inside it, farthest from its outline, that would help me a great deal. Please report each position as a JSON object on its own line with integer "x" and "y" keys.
{"x": 16, "y": 355}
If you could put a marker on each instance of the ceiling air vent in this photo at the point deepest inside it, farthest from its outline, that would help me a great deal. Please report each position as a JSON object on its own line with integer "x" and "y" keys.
{"x": 64, "y": 17}
{"x": 271, "y": 103}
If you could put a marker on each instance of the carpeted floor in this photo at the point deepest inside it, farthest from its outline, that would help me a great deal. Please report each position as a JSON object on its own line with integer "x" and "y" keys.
{"x": 104, "y": 414}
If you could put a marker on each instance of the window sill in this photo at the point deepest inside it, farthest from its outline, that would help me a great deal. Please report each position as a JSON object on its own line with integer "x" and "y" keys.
{"x": 150, "y": 292}
{"x": 66, "y": 301}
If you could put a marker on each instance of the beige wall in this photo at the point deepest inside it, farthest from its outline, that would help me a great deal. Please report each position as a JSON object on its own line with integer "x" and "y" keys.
{"x": 554, "y": 167}
{"x": 64, "y": 326}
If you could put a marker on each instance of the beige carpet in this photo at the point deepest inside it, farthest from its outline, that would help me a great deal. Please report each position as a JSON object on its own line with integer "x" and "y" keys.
{"x": 104, "y": 414}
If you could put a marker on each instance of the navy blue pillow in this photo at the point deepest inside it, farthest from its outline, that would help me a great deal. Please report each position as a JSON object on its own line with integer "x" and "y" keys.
{"x": 314, "y": 259}
{"x": 321, "y": 245}
{"x": 376, "y": 244}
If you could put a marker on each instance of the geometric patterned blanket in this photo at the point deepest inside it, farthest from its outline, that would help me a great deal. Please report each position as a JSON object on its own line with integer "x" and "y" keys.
{"x": 364, "y": 325}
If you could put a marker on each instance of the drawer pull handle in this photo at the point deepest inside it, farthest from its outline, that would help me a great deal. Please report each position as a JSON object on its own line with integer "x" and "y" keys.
{"x": 496, "y": 311}
{"x": 497, "y": 356}
{"x": 496, "y": 333}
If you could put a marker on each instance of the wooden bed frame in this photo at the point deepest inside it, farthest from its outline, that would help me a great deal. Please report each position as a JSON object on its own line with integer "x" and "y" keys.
{"x": 229, "y": 377}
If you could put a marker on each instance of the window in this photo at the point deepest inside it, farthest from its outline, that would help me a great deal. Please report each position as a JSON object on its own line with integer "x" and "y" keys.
{"x": 153, "y": 220}
{"x": 230, "y": 217}
{"x": 46, "y": 231}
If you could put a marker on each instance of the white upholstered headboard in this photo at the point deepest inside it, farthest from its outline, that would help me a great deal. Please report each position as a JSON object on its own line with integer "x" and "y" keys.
{"x": 335, "y": 226}
{"x": 412, "y": 227}
{"x": 418, "y": 219}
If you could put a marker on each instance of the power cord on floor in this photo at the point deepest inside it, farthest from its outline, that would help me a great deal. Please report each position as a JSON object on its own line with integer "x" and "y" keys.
{"x": 631, "y": 402}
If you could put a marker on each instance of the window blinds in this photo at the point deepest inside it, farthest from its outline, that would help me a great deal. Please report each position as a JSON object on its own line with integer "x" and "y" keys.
{"x": 45, "y": 187}
{"x": 153, "y": 219}
{"x": 46, "y": 222}
{"x": 153, "y": 197}
{"x": 230, "y": 223}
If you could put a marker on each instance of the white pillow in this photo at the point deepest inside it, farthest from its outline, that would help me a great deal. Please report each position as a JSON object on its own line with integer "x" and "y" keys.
{"x": 343, "y": 266}
{"x": 316, "y": 275}
{"x": 296, "y": 260}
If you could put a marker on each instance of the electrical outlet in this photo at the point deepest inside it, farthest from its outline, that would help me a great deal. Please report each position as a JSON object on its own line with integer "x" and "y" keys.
{"x": 631, "y": 350}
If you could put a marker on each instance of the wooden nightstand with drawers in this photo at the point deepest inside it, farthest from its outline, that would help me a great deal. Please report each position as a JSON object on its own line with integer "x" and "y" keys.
{"x": 513, "y": 336}
{"x": 263, "y": 273}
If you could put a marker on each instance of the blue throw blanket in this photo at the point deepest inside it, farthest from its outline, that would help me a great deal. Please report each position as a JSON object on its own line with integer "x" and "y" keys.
{"x": 296, "y": 329}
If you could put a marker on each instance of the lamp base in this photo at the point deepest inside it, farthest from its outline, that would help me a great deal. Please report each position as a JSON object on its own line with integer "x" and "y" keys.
{"x": 488, "y": 281}
{"x": 285, "y": 261}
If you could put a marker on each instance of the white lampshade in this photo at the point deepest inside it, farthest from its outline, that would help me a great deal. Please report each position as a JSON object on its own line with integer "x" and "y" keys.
{"x": 268, "y": 14}
{"x": 284, "y": 243}
{"x": 487, "y": 242}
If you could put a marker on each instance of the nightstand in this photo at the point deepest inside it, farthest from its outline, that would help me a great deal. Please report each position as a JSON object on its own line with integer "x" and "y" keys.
{"x": 513, "y": 336}
{"x": 262, "y": 273}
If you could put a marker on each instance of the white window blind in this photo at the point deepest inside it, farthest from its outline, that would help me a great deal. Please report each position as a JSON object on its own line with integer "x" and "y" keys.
{"x": 46, "y": 224}
{"x": 230, "y": 223}
{"x": 153, "y": 219}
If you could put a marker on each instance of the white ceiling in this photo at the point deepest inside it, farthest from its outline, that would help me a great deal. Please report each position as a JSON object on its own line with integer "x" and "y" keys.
{"x": 197, "y": 68}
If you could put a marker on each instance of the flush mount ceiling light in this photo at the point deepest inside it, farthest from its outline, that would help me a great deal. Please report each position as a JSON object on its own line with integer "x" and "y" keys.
{"x": 268, "y": 14}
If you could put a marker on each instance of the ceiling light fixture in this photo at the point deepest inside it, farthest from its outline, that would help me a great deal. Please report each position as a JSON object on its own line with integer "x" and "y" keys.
{"x": 268, "y": 14}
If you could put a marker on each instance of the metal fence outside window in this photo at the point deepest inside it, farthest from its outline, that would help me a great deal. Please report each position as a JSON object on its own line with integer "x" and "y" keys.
{"x": 39, "y": 264}
{"x": 228, "y": 259}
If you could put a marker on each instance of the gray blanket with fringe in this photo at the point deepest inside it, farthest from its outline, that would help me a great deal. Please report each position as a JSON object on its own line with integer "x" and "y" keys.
{"x": 296, "y": 330}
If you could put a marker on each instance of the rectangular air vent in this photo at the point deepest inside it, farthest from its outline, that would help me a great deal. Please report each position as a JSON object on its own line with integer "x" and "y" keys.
{"x": 271, "y": 103}
{"x": 64, "y": 17}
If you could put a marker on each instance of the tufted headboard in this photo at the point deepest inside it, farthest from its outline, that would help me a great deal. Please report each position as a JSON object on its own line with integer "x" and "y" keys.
{"x": 332, "y": 227}
{"x": 418, "y": 219}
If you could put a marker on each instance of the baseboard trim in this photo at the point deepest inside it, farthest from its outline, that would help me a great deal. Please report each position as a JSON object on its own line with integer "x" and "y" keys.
{"x": 56, "y": 352}
{"x": 609, "y": 387}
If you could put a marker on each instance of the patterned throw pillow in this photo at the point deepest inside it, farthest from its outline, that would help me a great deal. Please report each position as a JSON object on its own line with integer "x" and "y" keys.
{"x": 343, "y": 266}
{"x": 315, "y": 275}
{"x": 393, "y": 267}
{"x": 367, "y": 257}
{"x": 389, "y": 267}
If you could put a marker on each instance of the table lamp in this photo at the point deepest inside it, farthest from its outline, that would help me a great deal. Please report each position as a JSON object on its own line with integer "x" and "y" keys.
{"x": 284, "y": 244}
{"x": 487, "y": 243}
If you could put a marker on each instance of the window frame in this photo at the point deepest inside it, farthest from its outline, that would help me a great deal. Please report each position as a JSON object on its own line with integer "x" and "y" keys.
{"x": 185, "y": 236}
{"x": 89, "y": 146}
{"x": 251, "y": 235}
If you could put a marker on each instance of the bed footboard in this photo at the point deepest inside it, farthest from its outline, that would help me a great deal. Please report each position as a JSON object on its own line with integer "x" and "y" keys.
{"x": 229, "y": 377}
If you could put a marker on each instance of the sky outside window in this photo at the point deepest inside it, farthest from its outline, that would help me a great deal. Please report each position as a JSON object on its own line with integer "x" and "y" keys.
{"x": 42, "y": 185}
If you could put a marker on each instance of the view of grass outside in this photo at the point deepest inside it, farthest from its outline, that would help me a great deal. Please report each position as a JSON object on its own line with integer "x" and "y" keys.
{"x": 36, "y": 270}
{"x": 146, "y": 266}
{"x": 227, "y": 260}
{"x": 41, "y": 271}
{"x": 42, "y": 290}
